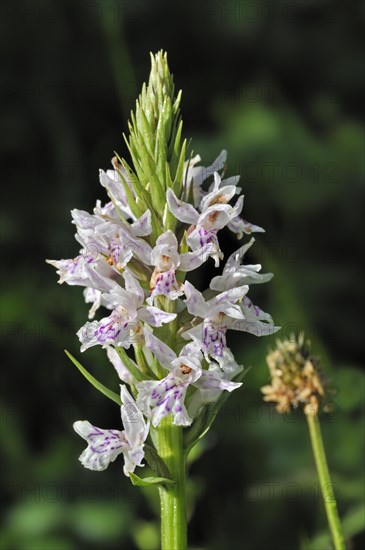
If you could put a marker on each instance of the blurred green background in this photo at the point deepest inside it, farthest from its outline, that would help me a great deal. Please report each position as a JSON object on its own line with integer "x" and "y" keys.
{"x": 279, "y": 84}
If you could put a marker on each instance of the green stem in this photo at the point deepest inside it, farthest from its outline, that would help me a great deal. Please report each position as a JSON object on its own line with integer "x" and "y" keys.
{"x": 169, "y": 443}
{"x": 325, "y": 482}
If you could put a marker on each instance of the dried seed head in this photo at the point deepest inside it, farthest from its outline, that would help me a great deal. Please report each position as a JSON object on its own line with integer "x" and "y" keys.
{"x": 295, "y": 380}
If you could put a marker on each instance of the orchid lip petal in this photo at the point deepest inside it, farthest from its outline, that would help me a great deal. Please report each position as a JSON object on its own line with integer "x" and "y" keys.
{"x": 161, "y": 398}
{"x": 104, "y": 446}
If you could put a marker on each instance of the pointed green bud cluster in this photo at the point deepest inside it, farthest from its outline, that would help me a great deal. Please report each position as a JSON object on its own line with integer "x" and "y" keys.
{"x": 295, "y": 379}
{"x": 155, "y": 144}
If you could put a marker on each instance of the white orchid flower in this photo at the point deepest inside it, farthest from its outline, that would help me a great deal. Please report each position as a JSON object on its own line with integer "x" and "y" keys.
{"x": 160, "y": 398}
{"x": 167, "y": 261}
{"x": 104, "y": 446}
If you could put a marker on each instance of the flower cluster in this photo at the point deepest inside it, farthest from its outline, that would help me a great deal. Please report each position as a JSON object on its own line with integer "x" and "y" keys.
{"x": 295, "y": 378}
{"x": 135, "y": 253}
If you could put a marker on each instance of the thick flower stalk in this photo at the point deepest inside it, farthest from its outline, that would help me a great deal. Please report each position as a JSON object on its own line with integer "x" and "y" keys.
{"x": 297, "y": 382}
{"x": 166, "y": 339}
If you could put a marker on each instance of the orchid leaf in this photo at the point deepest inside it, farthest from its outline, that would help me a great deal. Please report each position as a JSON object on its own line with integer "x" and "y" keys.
{"x": 150, "y": 481}
{"x": 90, "y": 378}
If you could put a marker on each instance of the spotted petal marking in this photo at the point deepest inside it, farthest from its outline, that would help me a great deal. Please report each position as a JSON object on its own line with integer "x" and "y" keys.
{"x": 163, "y": 397}
{"x": 112, "y": 330}
{"x": 212, "y": 336}
{"x": 103, "y": 445}
{"x": 72, "y": 271}
{"x": 166, "y": 285}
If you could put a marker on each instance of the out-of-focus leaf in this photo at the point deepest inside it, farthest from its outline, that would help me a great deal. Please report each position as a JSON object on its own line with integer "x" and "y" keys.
{"x": 146, "y": 535}
{"x": 100, "y": 521}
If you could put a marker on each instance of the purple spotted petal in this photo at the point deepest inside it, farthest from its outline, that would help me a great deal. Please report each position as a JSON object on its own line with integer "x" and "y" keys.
{"x": 112, "y": 330}
{"x": 103, "y": 445}
{"x": 164, "y": 397}
{"x": 166, "y": 285}
{"x": 212, "y": 336}
{"x": 73, "y": 271}
{"x": 201, "y": 237}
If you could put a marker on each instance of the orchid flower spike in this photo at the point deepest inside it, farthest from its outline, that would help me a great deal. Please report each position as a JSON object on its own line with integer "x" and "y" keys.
{"x": 139, "y": 251}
